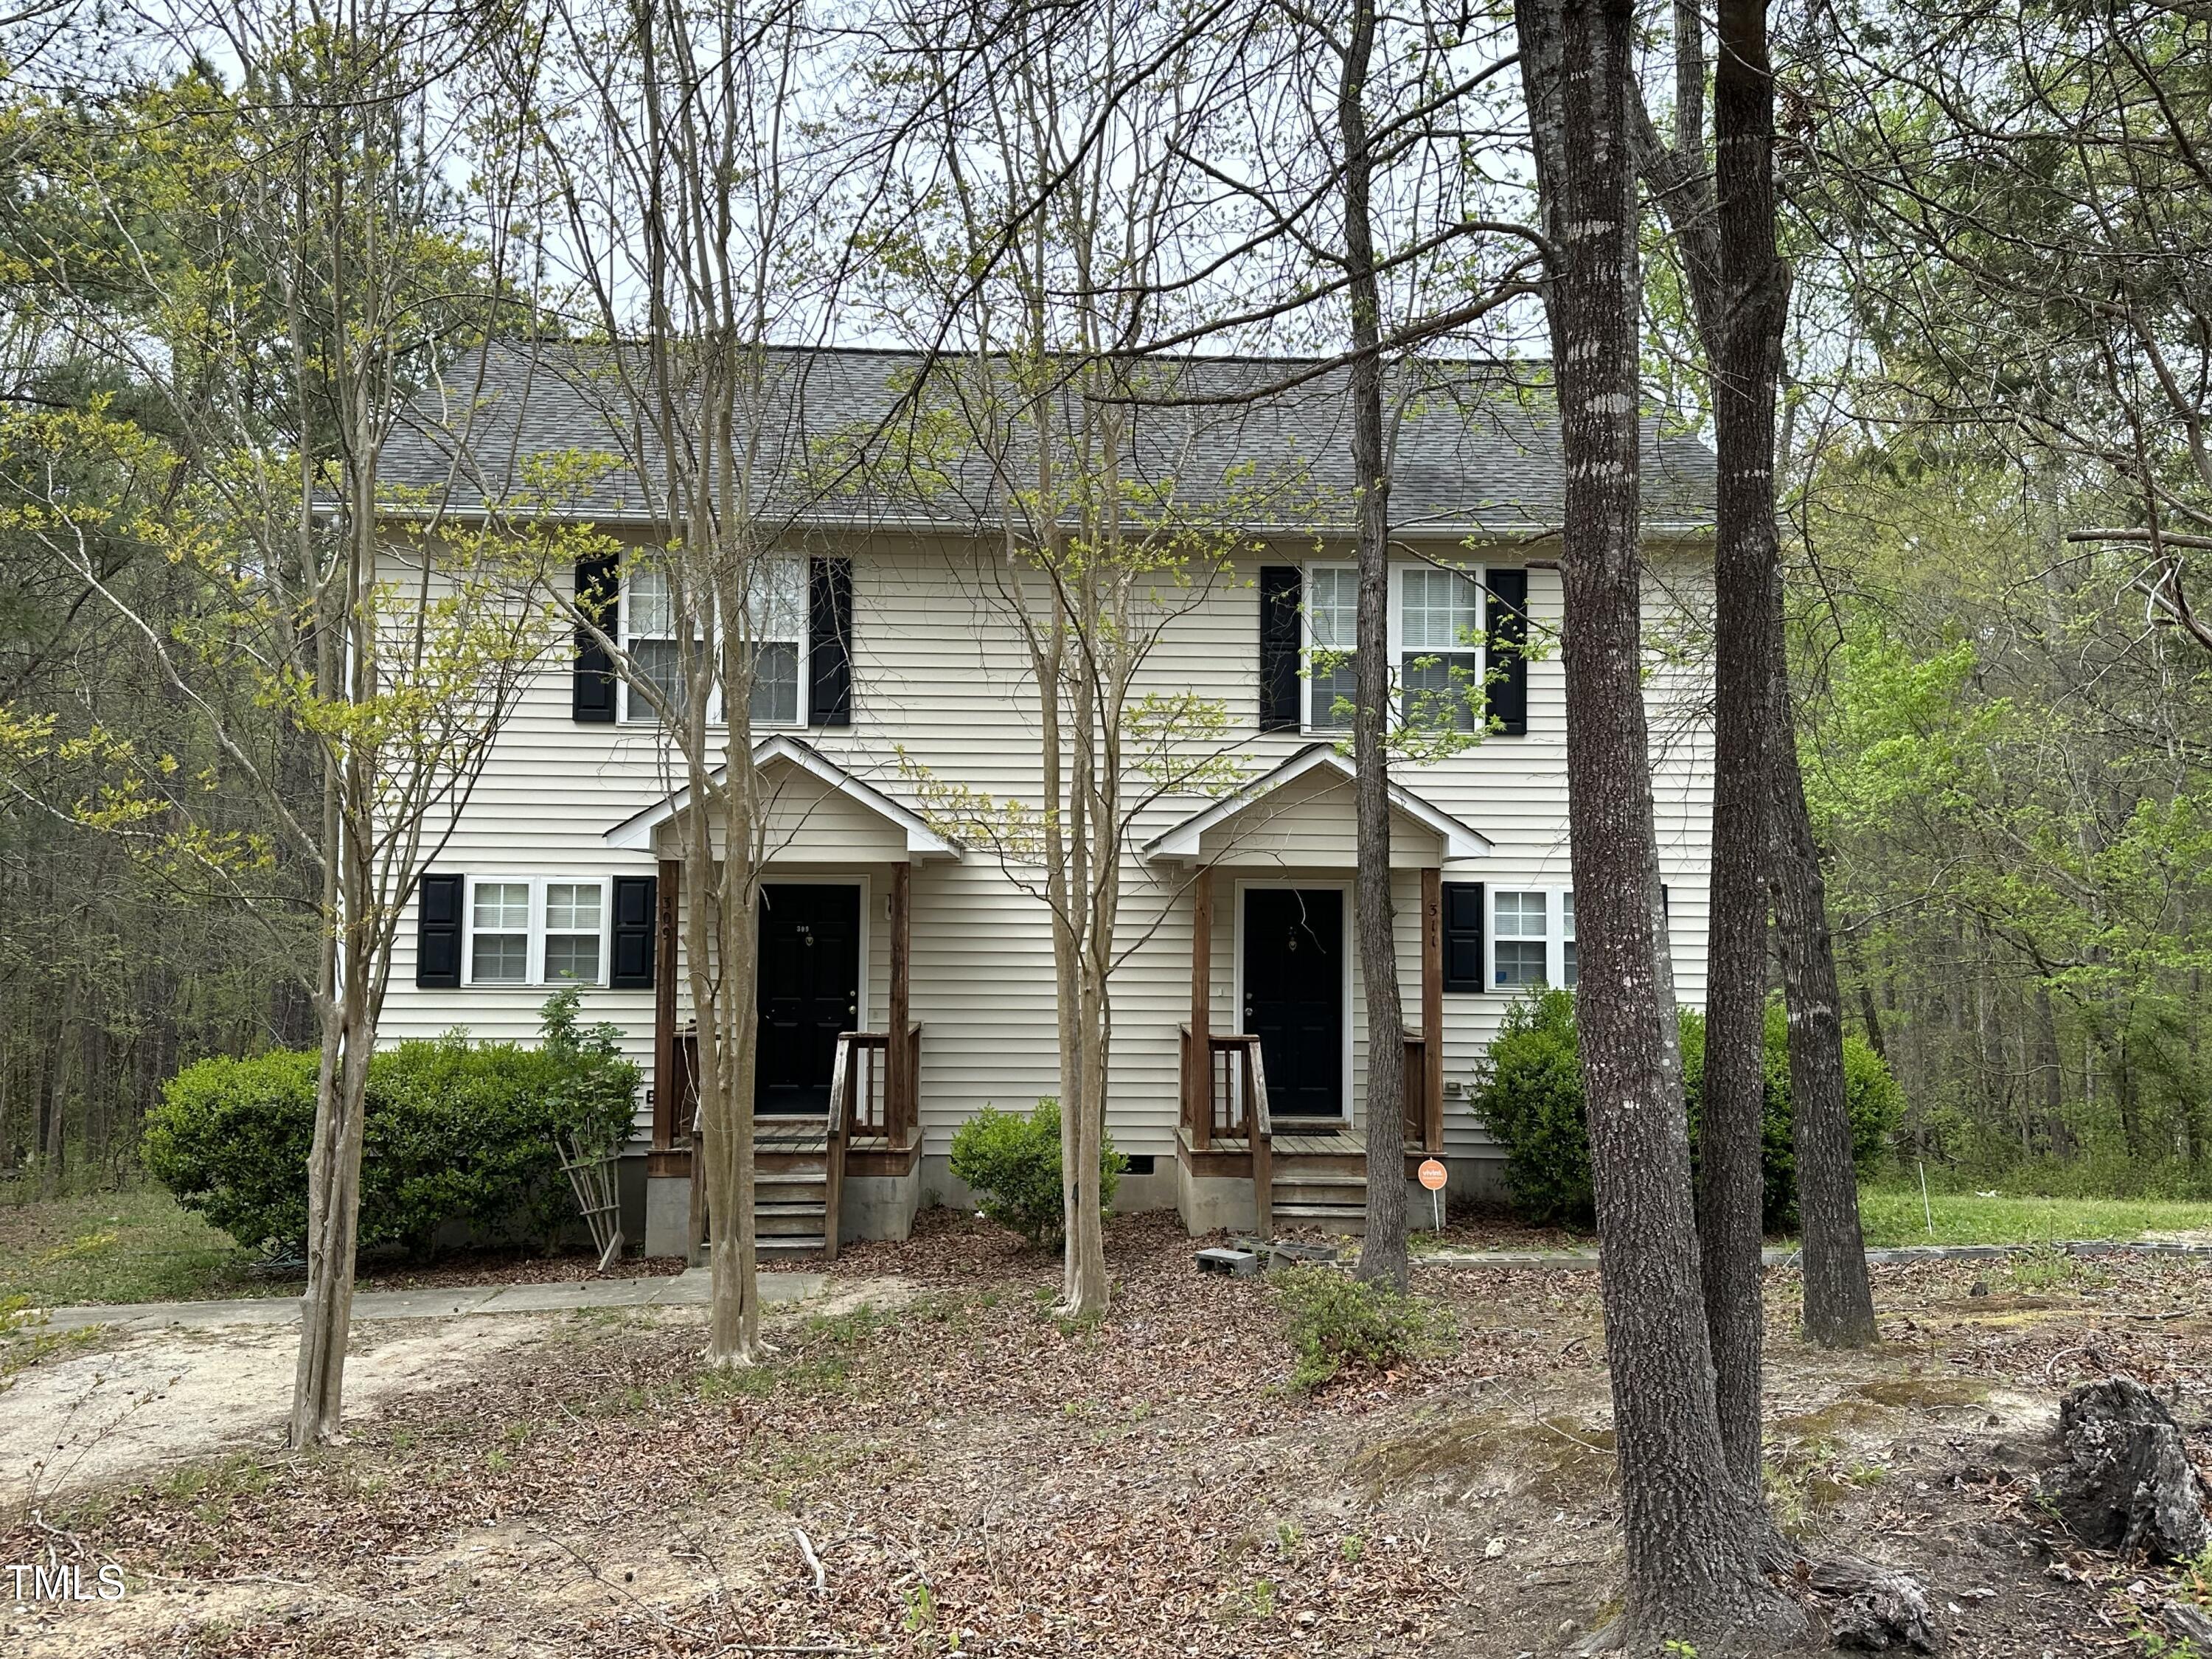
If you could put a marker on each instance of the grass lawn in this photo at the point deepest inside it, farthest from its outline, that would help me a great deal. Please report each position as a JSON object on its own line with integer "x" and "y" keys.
{"x": 1892, "y": 1215}
{"x": 131, "y": 1246}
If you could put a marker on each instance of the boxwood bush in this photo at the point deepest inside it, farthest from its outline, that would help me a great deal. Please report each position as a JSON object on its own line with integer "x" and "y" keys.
{"x": 1531, "y": 1101}
{"x": 1011, "y": 1162}
{"x": 455, "y": 1133}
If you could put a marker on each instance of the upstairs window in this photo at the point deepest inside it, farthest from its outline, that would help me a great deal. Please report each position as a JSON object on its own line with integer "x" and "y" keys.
{"x": 775, "y": 612}
{"x": 776, "y": 618}
{"x": 649, "y": 635}
{"x": 1435, "y": 634}
{"x": 1440, "y": 655}
{"x": 1521, "y": 934}
{"x": 1332, "y": 632}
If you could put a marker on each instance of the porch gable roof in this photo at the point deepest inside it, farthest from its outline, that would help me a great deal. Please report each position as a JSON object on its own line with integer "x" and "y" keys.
{"x": 1181, "y": 842}
{"x": 636, "y": 833}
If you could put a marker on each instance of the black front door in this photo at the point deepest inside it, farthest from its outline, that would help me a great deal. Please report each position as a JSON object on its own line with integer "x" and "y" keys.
{"x": 1294, "y": 996}
{"x": 810, "y": 990}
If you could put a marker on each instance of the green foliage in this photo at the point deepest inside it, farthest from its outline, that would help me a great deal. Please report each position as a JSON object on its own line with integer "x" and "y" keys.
{"x": 1337, "y": 1322}
{"x": 1531, "y": 1101}
{"x": 454, "y": 1133}
{"x": 1011, "y": 1164}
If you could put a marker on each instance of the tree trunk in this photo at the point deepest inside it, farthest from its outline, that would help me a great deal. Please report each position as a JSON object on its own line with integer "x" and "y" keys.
{"x": 1382, "y": 1249}
{"x": 1746, "y": 360}
{"x": 1083, "y": 1287}
{"x": 333, "y": 1216}
{"x": 1838, "y": 1299}
{"x": 1693, "y": 1572}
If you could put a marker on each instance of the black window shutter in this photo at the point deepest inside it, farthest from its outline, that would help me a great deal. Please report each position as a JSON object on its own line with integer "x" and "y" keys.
{"x": 1462, "y": 935}
{"x": 437, "y": 932}
{"x": 1508, "y": 681}
{"x": 592, "y": 697}
{"x": 636, "y": 900}
{"x": 1281, "y": 593}
{"x": 829, "y": 642}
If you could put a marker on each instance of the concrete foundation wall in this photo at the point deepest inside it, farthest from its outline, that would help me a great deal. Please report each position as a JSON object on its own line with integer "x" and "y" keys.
{"x": 667, "y": 1214}
{"x": 877, "y": 1206}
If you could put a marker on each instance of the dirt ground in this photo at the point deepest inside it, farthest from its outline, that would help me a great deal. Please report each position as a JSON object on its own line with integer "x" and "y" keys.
{"x": 933, "y": 1465}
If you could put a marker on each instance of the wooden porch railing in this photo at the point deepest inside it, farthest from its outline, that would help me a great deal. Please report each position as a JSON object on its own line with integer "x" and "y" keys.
{"x": 1263, "y": 1142}
{"x": 1225, "y": 1099}
{"x": 1218, "y": 1092}
{"x": 876, "y": 1106}
{"x": 833, "y": 1150}
{"x": 1417, "y": 1097}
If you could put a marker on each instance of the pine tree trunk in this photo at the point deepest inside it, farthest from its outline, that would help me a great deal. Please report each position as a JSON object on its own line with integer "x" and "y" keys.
{"x": 1693, "y": 1571}
{"x": 1838, "y": 1297}
{"x": 1746, "y": 360}
{"x": 1382, "y": 1249}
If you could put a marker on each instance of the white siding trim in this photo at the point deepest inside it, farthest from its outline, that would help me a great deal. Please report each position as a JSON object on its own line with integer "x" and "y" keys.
{"x": 634, "y": 833}
{"x": 1181, "y": 841}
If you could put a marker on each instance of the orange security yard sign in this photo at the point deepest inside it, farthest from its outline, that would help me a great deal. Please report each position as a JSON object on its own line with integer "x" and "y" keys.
{"x": 1431, "y": 1173}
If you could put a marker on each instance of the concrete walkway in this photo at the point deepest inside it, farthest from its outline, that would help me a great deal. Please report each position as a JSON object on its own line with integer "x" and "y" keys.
{"x": 693, "y": 1288}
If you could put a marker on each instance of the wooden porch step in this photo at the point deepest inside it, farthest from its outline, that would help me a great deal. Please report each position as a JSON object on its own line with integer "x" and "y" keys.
{"x": 815, "y": 1165}
{"x": 1343, "y": 1166}
{"x": 1348, "y": 1219}
{"x": 1330, "y": 1189}
{"x": 786, "y": 1180}
{"x": 791, "y": 1221}
{"x": 788, "y": 1243}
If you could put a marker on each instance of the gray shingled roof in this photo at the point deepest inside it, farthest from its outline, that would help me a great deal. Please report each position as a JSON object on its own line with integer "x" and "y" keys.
{"x": 1477, "y": 445}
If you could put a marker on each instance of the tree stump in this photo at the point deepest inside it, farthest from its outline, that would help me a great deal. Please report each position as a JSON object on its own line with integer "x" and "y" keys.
{"x": 2127, "y": 1483}
{"x": 1877, "y": 1610}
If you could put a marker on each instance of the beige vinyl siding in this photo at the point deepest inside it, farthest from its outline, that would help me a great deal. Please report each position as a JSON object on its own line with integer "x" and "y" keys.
{"x": 941, "y": 688}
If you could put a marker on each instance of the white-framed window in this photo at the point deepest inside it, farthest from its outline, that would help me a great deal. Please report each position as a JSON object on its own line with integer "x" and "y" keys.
{"x": 1435, "y": 636}
{"x": 575, "y": 931}
{"x": 1521, "y": 939}
{"x": 1532, "y": 931}
{"x": 1440, "y": 647}
{"x": 537, "y": 930}
{"x": 648, "y": 634}
{"x": 777, "y": 612}
{"x": 499, "y": 932}
{"x": 776, "y": 617}
{"x": 1332, "y": 632}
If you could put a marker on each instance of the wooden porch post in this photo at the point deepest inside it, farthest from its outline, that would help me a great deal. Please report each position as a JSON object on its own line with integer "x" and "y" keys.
{"x": 1432, "y": 1010}
{"x": 1197, "y": 1102}
{"x": 667, "y": 1096}
{"x": 902, "y": 1113}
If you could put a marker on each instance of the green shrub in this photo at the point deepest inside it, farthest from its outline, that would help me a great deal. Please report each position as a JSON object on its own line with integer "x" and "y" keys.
{"x": 1338, "y": 1322}
{"x": 1531, "y": 1101}
{"x": 1011, "y": 1164}
{"x": 453, "y": 1133}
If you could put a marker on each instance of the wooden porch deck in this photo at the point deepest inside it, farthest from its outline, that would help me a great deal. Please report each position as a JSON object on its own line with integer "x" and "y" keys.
{"x": 1298, "y": 1143}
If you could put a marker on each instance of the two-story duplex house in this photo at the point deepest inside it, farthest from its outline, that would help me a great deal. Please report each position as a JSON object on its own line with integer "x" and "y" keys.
{"x": 906, "y": 976}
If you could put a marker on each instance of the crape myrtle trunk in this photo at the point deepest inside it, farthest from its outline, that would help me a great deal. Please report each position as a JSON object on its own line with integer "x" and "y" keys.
{"x": 1693, "y": 1572}
{"x": 1383, "y": 1250}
